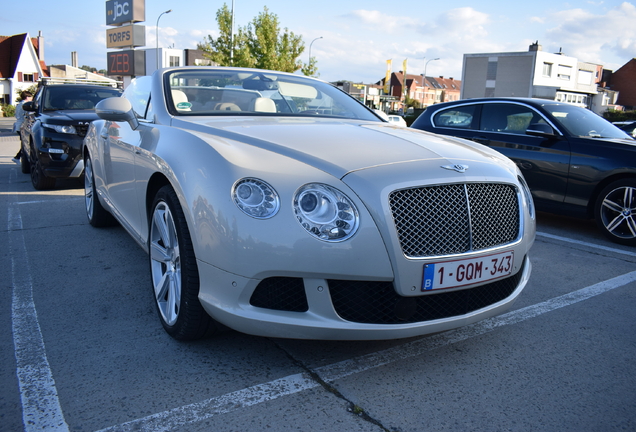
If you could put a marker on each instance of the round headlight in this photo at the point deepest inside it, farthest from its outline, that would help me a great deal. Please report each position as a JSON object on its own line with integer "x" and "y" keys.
{"x": 325, "y": 212}
{"x": 255, "y": 198}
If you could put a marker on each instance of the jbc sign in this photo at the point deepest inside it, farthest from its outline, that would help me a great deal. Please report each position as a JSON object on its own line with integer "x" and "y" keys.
{"x": 124, "y": 11}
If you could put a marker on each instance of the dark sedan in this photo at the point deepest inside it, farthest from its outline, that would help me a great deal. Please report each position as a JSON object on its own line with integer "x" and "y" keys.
{"x": 574, "y": 161}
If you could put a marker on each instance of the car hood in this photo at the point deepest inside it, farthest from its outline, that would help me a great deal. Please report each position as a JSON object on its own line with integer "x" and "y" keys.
{"x": 340, "y": 147}
{"x": 72, "y": 115}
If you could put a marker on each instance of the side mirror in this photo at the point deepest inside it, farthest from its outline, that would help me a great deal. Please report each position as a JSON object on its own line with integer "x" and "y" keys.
{"x": 29, "y": 106}
{"x": 117, "y": 109}
{"x": 540, "y": 129}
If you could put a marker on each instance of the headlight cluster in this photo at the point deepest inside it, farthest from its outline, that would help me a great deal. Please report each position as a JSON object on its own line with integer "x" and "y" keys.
{"x": 323, "y": 211}
{"x": 256, "y": 198}
{"x": 66, "y": 129}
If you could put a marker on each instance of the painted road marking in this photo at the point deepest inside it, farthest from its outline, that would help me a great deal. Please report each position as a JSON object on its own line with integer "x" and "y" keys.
{"x": 193, "y": 413}
{"x": 41, "y": 408}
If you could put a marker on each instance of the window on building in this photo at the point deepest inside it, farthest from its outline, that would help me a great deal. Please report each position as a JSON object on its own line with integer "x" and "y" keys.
{"x": 547, "y": 70}
{"x": 565, "y": 72}
{"x": 585, "y": 77}
{"x": 491, "y": 72}
{"x": 174, "y": 61}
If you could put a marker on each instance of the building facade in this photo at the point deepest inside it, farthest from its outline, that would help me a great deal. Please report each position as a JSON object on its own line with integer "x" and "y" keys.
{"x": 623, "y": 81}
{"x": 425, "y": 90}
{"x": 534, "y": 74}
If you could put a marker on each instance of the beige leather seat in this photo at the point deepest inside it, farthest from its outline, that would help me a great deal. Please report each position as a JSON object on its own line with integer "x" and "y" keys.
{"x": 263, "y": 104}
{"x": 227, "y": 106}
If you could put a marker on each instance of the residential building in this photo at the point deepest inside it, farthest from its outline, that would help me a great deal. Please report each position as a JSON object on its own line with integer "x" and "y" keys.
{"x": 21, "y": 64}
{"x": 169, "y": 57}
{"x": 624, "y": 82}
{"x": 427, "y": 91}
{"x": 535, "y": 74}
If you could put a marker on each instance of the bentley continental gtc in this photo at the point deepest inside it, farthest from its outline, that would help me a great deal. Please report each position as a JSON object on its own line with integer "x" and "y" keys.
{"x": 277, "y": 205}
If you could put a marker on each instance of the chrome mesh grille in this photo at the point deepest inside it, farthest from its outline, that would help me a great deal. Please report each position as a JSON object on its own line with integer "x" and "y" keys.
{"x": 455, "y": 218}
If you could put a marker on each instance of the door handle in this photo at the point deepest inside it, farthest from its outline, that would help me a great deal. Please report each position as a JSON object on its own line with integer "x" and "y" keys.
{"x": 481, "y": 140}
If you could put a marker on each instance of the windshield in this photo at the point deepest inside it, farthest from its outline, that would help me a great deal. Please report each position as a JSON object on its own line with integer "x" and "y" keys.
{"x": 63, "y": 97}
{"x": 583, "y": 122}
{"x": 241, "y": 92}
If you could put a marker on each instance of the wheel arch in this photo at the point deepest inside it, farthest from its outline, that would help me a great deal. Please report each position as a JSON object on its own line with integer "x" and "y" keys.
{"x": 156, "y": 182}
{"x": 591, "y": 205}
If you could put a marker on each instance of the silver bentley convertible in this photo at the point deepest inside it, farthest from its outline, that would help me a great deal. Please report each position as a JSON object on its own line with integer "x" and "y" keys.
{"x": 277, "y": 205}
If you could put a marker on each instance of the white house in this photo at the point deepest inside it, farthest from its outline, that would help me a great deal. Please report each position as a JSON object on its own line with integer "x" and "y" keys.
{"x": 21, "y": 64}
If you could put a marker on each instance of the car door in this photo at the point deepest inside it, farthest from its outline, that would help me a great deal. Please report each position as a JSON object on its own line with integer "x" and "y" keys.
{"x": 543, "y": 159}
{"x": 121, "y": 143}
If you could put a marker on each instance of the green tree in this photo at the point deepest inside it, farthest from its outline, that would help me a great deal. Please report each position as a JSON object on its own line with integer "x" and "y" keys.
{"x": 310, "y": 69}
{"x": 261, "y": 44}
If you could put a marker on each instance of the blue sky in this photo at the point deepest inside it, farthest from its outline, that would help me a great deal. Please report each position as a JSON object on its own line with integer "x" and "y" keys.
{"x": 358, "y": 36}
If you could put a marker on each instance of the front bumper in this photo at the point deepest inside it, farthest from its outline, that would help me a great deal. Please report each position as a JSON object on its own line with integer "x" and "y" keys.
{"x": 60, "y": 155}
{"x": 230, "y": 301}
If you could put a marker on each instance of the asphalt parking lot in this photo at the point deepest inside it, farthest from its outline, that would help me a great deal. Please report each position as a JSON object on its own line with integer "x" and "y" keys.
{"x": 82, "y": 349}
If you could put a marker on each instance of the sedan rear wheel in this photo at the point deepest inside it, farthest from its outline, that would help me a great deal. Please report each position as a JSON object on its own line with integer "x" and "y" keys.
{"x": 174, "y": 271}
{"x": 615, "y": 211}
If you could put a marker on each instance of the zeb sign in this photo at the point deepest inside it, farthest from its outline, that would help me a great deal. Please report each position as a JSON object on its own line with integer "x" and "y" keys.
{"x": 126, "y": 63}
{"x": 123, "y": 11}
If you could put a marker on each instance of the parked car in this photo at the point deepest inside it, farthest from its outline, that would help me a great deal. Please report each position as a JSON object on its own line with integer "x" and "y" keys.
{"x": 279, "y": 206}
{"x": 55, "y": 125}
{"x": 627, "y": 126}
{"x": 574, "y": 161}
{"x": 397, "y": 120}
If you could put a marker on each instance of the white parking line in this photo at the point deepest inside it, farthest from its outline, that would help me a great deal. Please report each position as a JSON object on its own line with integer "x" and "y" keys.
{"x": 41, "y": 408}
{"x": 188, "y": 414}
{"x": 582, "y": 243}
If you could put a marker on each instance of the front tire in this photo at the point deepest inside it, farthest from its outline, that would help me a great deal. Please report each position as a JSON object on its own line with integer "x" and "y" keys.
{"x": 39, "y": 180}
{"x": 97, "y": 215}
{"x": 174, "y": 271}
{"x": 615, "y": 212}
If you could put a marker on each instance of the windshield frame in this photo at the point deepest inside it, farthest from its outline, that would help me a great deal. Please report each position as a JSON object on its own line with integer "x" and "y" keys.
{"x": 234, "y": 92}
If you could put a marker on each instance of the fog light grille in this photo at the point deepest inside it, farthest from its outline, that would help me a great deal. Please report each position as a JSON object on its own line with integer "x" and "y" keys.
{"x": 281, "y": 293}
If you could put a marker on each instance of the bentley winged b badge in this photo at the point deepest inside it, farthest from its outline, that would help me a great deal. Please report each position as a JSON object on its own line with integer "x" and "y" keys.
{"x": 456, "y": 167}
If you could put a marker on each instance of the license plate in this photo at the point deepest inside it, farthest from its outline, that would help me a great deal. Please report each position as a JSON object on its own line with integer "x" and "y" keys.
{"x": 451, "y": 274}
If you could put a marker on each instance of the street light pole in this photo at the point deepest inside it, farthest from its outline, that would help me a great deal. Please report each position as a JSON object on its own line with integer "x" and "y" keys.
{"x": 157, "y": 36}
{"x": 424, "y": 79}
{"x": 312, "y": 42}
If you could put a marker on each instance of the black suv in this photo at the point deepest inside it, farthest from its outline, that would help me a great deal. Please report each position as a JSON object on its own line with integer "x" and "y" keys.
{"x": 53, "y": 130}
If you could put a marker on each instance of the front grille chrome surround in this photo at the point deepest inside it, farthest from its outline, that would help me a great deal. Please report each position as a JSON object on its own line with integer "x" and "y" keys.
{"x": 455, "y": 218}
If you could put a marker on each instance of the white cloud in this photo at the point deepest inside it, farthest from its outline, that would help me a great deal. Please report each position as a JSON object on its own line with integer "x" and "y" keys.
{"x": 590, "y": 37}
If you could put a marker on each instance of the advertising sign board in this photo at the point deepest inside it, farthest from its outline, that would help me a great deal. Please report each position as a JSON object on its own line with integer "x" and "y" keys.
{"x": 126, "y": 63}
{"x": 126, "y": 36}
{"x": 119, "y": 12}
